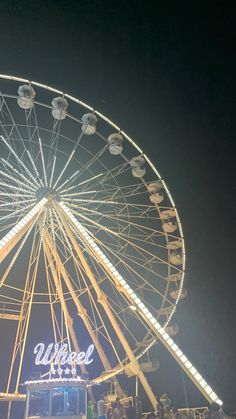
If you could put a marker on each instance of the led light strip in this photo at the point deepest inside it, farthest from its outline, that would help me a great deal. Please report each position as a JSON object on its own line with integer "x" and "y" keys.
{"x": 5, "y": 240}
{"x": 16, "y": 396}
{"x": 17, "y": 172}
{"x": 192, "y": 372}
{"x": 19, "y": 160}
{"x": 56, "y": 380}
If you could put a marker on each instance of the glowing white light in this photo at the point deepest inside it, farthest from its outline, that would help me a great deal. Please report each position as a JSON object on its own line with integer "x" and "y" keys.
{"x": 183, "y": 358}
{"x": 19, "y": 160}
{"x": 193, "y": 371}
{"x": 203, "y": 383}
{"x": 175, "y": 347}
{"x": 59, "y": 355}
{"x": 188, "y": 364}
{"x": 22, "y": 223}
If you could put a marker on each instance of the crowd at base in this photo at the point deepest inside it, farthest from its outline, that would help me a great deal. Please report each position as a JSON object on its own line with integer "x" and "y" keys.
{"x": 164, "y": 410}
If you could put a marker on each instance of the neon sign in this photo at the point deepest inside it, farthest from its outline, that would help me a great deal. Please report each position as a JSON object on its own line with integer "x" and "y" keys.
{"x": 57, "y": 354}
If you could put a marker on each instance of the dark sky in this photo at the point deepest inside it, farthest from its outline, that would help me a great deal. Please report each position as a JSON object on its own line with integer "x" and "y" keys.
{"x": 164, "y": 72}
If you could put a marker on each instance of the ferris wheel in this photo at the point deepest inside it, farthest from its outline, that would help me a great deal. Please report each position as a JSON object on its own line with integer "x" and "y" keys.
{"x": 90, "y": 238}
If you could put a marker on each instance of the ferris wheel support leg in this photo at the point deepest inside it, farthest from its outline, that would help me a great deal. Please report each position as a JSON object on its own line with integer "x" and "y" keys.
{"x": 67, "y": 317}
{"x": 80, "y": 308}
{"x": 26, "y": 306}
{"x": 10, "y": 239}
{"x": 13, "y": 242}
{"x": 102, "y": 299}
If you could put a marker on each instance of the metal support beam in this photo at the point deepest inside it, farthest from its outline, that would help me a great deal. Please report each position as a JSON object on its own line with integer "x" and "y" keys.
{"x": 102, "y": 299}
{"x": 7, "y": 316}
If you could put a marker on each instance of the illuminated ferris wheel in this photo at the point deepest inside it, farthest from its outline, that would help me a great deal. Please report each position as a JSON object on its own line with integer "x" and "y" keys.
{"x": 90, "y": 238}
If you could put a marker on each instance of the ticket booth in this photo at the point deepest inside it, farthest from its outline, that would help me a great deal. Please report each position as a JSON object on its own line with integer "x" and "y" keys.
{"x": 58, "y": 398}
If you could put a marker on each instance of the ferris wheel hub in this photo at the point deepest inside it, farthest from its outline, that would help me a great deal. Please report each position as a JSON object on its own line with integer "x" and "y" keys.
{"x": 46, "y": 192}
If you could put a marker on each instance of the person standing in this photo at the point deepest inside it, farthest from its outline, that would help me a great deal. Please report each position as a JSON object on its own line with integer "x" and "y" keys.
{"x": 110, "y": 411}
{"x": 118, "y": 411}
{"x": 90, "y": 410}
{"x": 101, "y": 408}
{"x": 166, "y": 402}
{"x": 130, "y": 412}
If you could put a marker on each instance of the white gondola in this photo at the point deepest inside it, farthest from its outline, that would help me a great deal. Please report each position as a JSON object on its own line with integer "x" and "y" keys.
{"x": 176, "y": 259}
{"x": 174, "y": 244}
{"x": 59, "y": 108}
{"x": 172, "y": 329}
{"x": 167, "y": 214}
{"x": 150, "y": 366}
{"x": 156, "y": 198}
{"x": 169, "y": 227}
{"x": 154, "y": 187}
{"x": 89, "y": 121}
{"x": 175, "y": 293}
{"x": 174, "y": 277}
{"x": 137, "y": 164}
{"x": 115, "y": 143}
{"x": 165, "y": 311}
{"x": 26, "y": 96}
{"x": 138, "y": 172}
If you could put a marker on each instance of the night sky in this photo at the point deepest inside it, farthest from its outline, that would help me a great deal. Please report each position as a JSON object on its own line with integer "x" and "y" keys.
{"x": 165, "y": 73}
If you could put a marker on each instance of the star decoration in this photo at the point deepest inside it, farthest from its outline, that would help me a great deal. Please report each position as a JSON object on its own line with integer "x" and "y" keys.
{"x": 67, "y": 371}
{"x": 60, "y": 371}
{"x": 73, "y": 371}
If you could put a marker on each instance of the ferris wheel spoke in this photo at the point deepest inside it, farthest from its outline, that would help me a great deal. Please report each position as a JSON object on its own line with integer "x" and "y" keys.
{"x": 34, "y": 137}
{"x": 14, "y": 170}
{"x": 14, "y": 213}
{"x": 137, "y": 261}
{"x": 43, "y": 162}
{"x": 139, "y": 280}
{"x": 55, "y": 137}
{"x": 79, "y": 172}
{"x": 78, "y": 184}
{"x": 52, "y": 171}
{"x": 10, "y": 204}
{"x": 19, "y": 161}
{"x": 16, "y": 188}
{"x": 106, "y": 176}
{"x": 34, "y": 167}
{"x": 140, "y": 233}
{"x": 112, "y": 193}
{"x": 123, "y": 219}
{"x": 68, "y": 160}
{"x": 121, "y": 236}
{"x": 17, "y": 181}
